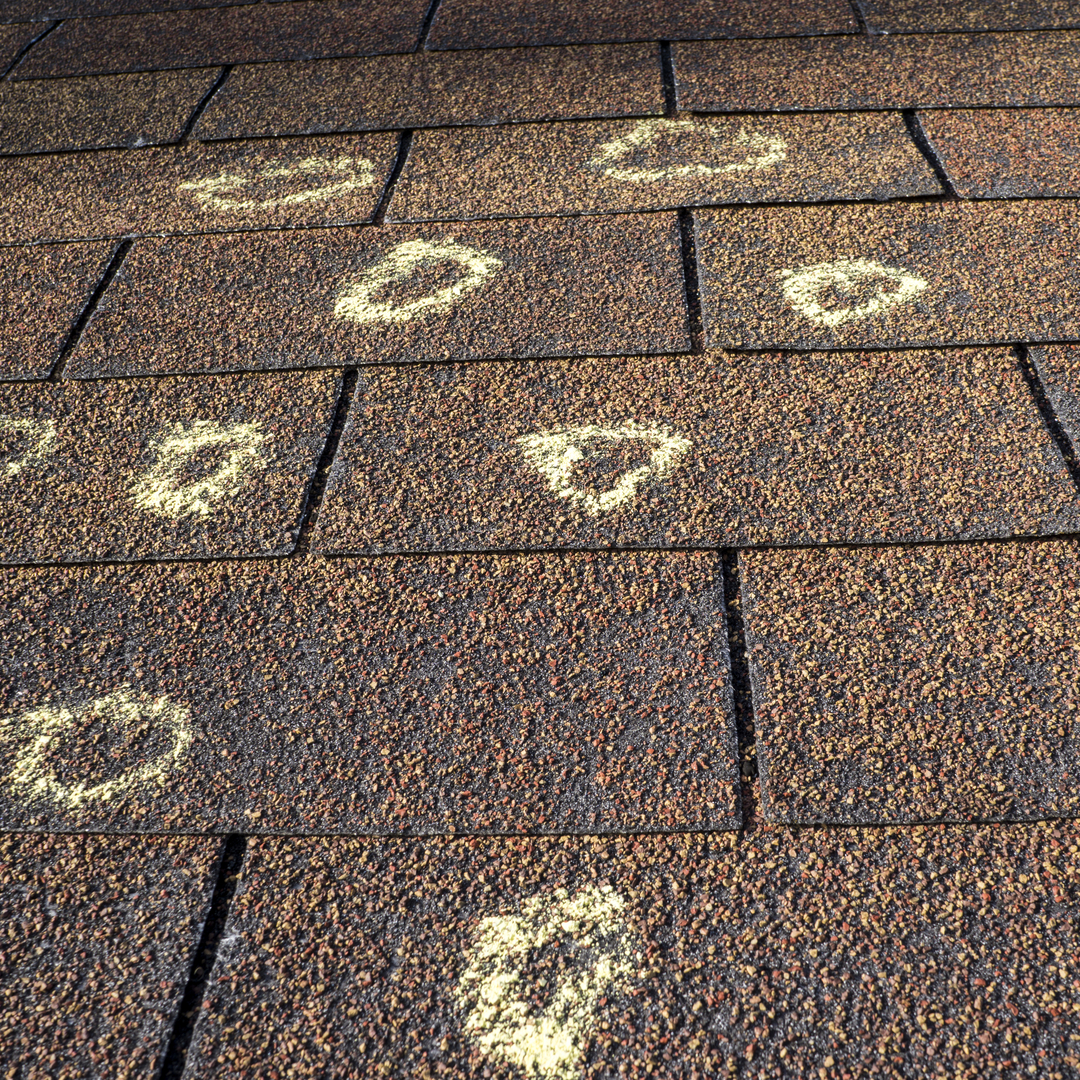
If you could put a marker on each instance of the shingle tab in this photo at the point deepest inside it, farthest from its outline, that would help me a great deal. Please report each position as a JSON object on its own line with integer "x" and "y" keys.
{"x": 100, "y": 935}
{"x": 915, "y": 684}
{"x": 883, "y": 276}
{"x": 656, "y": 164}
{"x": 42, "y": 294}
{"x": 699, "y": 451}
{"x": 197, "y": 187}
{"x": 914, "y": 16}
{"x": 526, "y": 694}
{"x": 431, "y": 89}
{"x": 161, "y": 468}
{"x": 99, "y": 111}
{"x": 405, "y": 293}
{"x": 901, "y": 952}
{"x": 879, "y": 72}
{"x": 1007, "y": 153}
{"x": 477, "y": 24}
{"x": 302, "y": 30}
{"x": 1059, "y": 371}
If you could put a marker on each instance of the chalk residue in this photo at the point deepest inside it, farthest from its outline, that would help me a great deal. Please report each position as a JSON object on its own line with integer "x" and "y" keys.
{"x": 358, "y": 303}
{"x": 758, "y": 152}
{"x": 555, "y": 454}
{"x": 805, "y": 287}
{"x": 494, "y": 989}
{"x": 235, "y": 191}
{"x": 44, "y": 728}
{"x": 163, "y": 489}
{"x": 39, "y": 436}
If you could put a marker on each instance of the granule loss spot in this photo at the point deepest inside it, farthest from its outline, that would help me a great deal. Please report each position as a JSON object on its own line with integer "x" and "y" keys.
{"x": 506, "y": 971}
{"x": 119, "y": 715}
{"x": 358, "y": 302}
{"x": 318, "y": 179}
{"x": 833, "y": 293}
{"x": 24, "y": 442}
{"x": 172, "y": 488}
{"x": 559, "y": 456}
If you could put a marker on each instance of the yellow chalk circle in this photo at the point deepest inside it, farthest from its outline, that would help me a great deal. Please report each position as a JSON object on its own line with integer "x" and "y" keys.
{"x": 554, "y": 454}
{"x": 46, "y": 727}
{"x": 495, "y": 993}
{"x": 231, "y": 191}
{"x": 759, "y": 152}
{"x": 40, "y": 437}
{"x": 162, "y": 490}
{"x": 357, "y": 301}
{"x": 803, "y": 288}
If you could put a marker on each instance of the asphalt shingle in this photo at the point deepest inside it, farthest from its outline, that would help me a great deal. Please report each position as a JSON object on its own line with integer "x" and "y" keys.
{"x": 43, "y": 292}
{"x": 913, "y": 16}
{"x": 14, "y": 38}
{"x": 621, "y": 165}
{"x": 301, "y": 30}
{"x": 161, "y": 468}
{"x": 808, "y": 953}
{"x": 698, "y": 451}
{"x": 915, "y": 683}
{"x": 1007, "y": 153}
{"x": 100, "y": 934}
{"x": 548, "y": 693}
{"x": 44, "y": 11}
{"x": 428, "y": 89}
{"x": 477, "y": 24}
{"x": 405, "y": 293}
{"x": 99, "y": 111}
{"x": 883, "y": 276}
{"x": 196, "y": 187}
{"x": 879, "y": 72}
{"x": 1058, "y": 367}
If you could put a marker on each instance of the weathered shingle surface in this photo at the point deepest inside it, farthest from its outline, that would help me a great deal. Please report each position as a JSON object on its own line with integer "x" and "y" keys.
{"x": 541, "y": 539}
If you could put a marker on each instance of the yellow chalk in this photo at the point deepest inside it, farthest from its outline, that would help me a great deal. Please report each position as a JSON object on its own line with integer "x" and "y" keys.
{"x": 761, "y": 152}
{"x": 162, "y": 489}
{"x": 357, "y": 302}
{"x": 40, "y": 437}
{"x": 803, "y": 287}
{"x": 554, "y": 454}
{"x": 493, "y": 990}
{"x": 45, "y": 727}
{"x": 227, "y": 191}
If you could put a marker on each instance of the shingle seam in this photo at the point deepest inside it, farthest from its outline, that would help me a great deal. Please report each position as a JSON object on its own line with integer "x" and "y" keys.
{"x": 196, "y": 115}
{"x": 926, "y": 148}
{"x": 404, "y": 146}
{"x": 419, "y": 554}
{"x": 379, "y": 217}
{"x": 425, "y": 29}
{"x": 667, "y": 75}
{"x": 1049, "y": 416}
{"x": 317, "y": 488}
{"x": 202, "y": 961}
{"x": 691, "y": 283}
{"x": 118, "y": 255}
{"x": 742, "y": 699}
{"x": 860, "y": 17}
{"x": 21, "y": 54}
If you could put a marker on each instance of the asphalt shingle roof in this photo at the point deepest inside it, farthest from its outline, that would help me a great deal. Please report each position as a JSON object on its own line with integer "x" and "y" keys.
{"x": 541, "y": 539}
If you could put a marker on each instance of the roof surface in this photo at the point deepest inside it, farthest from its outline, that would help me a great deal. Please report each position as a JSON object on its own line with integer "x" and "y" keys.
{"x": 542, "y": 539}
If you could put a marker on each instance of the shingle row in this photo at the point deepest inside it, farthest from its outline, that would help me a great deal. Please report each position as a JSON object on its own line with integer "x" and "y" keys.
{"x": 892, "y": 951}
{"x": 428, "y": 89}
{"x": 838, "y": 276}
